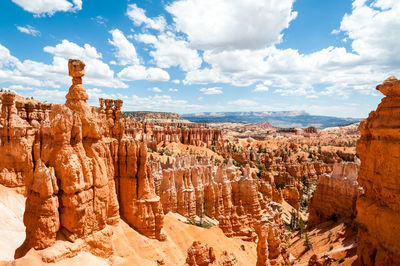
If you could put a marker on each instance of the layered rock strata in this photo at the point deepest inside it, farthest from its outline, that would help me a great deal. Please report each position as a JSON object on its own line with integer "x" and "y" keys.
{"x": 336, "y": 194}
{"x": 378, "y": 209}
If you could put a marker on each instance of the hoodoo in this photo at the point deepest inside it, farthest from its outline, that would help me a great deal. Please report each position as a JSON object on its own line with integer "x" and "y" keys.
{"x": 379, "y": 207}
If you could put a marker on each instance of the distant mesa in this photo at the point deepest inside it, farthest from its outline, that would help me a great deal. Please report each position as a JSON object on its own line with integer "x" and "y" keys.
{"x": 281, "y": 119}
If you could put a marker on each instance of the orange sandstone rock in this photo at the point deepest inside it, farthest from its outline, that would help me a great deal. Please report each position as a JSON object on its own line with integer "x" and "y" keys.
{"x": 378, "y": 209}
{"x": 271, "y": 245}
{"x": 199, "y": 254}
{"x": 335, "y": 195}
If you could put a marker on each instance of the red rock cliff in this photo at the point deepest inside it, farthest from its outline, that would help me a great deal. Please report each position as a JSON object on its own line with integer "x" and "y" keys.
{"x": 379, "y": 207}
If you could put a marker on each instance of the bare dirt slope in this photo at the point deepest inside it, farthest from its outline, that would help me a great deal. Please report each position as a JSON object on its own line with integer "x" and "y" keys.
{"x": 132, "y": 248}
{"x": 335, "y": 240}
{"x": 12, "y": 228}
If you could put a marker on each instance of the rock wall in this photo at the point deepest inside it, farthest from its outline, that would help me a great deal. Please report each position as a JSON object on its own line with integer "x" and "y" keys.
{"x": 336, "y": 194}
{"x": 157, "y": 136}
{"x": 379, "y": 207}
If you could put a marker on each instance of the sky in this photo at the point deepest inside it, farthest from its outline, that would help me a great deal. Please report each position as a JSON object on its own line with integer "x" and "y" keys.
{"x": 190, "y": 56}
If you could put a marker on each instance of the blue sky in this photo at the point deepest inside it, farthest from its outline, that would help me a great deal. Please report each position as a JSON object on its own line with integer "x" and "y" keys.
{"x": 188, "y": 56}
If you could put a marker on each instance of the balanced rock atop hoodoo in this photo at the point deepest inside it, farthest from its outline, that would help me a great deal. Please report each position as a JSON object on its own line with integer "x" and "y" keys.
{"x": 76, "y": 169}
{"x": 379, "y": 207}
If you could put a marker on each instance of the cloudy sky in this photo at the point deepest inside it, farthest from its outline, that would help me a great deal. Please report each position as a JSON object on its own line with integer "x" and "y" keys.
{"x": 186, "y": 56}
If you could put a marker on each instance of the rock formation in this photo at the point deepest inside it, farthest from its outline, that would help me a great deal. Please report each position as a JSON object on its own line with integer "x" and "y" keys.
{"x": 335, "y": 195}
{"x": 378, "y": 209}
{"x": 271, "y": 245}
{"x": 199, "y": 254}
{"x": 78, "y": 161}
{"x": 156, "y": 136}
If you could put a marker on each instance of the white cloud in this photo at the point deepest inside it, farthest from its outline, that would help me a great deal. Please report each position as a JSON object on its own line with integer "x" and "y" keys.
{"x": 158, "y": 103}
{"x": 39, "y": 74}
{"x": 125, "y": 51}
{"x": 29, "y": 30}
{"x": 211, "y": 91}
{"x": 335, "y": 31}
{"x": 173, "y": 90}
{"x": 138, "y": 72}
{"x": 126, "y": 54}
{"x": 171, "y": 51}
{"x": 49, "y": 7}
{"x": 100, "y": 20}
{"x": 154, "y": 89}
{"x": 176, "y": 81}
{"x": 205, "y": 76}
{"x": 374, "y": 28}
{"x": 138, "y": 16}
{"x": 243, "y": 103}
{"x": 232, "y": 24}
{"x": 19, "y": 88}
{"x": 261, "y": 87}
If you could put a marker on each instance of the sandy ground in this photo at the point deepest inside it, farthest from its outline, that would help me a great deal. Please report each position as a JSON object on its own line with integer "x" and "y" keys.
{"x": 180, "y": 236}
{"x": 132, "y": 248}
{"x": 336, "y": 240}
{"x": 12, "y": 229}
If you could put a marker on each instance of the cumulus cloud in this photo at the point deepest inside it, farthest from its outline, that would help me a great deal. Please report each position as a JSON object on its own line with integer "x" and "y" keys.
{"x": 138, "y": 72}
{"x": 169, "y": 51}
{"x": 38, "y": 74}
{"x": 28, "y": 30}
{"x": 126, "y": 55}
{"x": 261, "y": 88}
{"x": 173, "y": 90}
{"x": 232, "y": 24}
{"x": 125, "y": 51}
{"x": 372, "y": 28}
{"x": 154, "y": 89}
{"x": 211, "y": 91}
{"x": 138, "y": 16}
{"x": 49, "y": 7}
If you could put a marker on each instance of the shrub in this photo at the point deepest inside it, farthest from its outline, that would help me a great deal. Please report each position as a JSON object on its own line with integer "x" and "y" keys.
{"x": 203, "y": 224}
{"x": 281, "y": 184}
{"x": 307, "y": 242}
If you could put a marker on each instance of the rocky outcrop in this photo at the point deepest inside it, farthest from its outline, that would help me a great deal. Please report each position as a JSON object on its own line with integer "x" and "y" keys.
{"x": 227, "y": 259}
{"x": 75, "y": 163}
{"x": 378, "y": 209}
{"x": 336, "y": 194}
{"x": 271, "y": 245}
{"x": 140, "y": 206}
{"x": 20, "y": 121}
{"x": 199, "y": 254}
{"x": 41, "y": 216}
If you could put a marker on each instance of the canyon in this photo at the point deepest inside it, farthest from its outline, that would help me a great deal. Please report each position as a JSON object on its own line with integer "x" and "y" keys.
{"x": 84, "y": 183}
